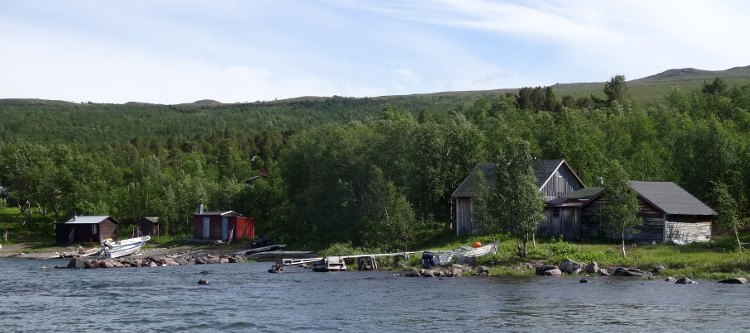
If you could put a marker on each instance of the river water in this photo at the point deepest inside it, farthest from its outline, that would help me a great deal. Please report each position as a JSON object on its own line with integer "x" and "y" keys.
{"x": 244, "y": 298}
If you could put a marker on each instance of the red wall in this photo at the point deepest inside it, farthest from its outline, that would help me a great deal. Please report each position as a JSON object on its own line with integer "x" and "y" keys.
{"x": 244, "y": 227}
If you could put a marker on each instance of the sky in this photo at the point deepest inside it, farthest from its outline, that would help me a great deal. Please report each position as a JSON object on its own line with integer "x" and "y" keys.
{"x": 169, "y": 51}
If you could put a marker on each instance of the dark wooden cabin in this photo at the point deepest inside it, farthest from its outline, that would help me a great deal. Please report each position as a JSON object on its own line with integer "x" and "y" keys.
{"x": 222, "y": 226}
{"x": 554, "y": 178}
{"x": 147, "y": 226}
{"x": 669, "y": 213}
{"x": 85, "y": 229}
{"x": 562, "y": 215}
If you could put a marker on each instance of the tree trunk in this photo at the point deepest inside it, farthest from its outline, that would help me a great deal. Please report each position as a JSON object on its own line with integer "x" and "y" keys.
{"x": 623, "y": 245}
{"x": 737, "y": 235}
{"x": 494, "y": 241}
{"x": 533, "y": 239}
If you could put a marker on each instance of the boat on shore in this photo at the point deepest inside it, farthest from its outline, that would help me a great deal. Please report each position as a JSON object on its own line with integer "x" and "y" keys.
{"x": 115, "y": 249}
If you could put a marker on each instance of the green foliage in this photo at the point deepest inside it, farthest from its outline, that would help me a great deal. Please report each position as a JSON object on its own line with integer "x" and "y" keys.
{"x": 59, "y": 159}
{"x": 618, "y": 214}
{"x": 727, "y": 207}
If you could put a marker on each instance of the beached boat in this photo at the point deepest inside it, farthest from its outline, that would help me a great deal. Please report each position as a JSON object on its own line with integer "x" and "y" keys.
{"x": 116, "y": 249}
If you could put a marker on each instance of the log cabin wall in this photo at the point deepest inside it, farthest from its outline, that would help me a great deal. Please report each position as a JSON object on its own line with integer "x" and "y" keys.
{"x": 561, "y": 182}
{"x": 652, "y": 229}
{"x": 464, "y": 220}
{"x": 560, "y": 222}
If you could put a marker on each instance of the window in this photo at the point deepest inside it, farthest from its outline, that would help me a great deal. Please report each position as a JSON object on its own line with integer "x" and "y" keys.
{"x": 555, "y": 213}
{"x": 93, "y": 229}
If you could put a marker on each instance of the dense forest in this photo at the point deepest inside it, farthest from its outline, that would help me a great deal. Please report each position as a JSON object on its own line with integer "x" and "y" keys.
{"x": 371, "y": 171}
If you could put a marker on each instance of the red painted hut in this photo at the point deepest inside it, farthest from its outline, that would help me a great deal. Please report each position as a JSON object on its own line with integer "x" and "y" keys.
{"x": 223, "y": 226}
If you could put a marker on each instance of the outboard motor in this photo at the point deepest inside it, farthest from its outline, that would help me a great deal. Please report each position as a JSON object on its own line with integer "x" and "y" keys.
{"x": 427, "y": 259}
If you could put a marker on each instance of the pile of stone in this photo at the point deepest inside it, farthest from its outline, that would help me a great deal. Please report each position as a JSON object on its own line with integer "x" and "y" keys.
{"x": 84, "y": 263}
{"x": 451, "y": 271}
{"x": 571, "y": 267}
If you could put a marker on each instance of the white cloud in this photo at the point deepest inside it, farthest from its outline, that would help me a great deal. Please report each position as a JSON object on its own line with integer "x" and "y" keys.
{"x": 246, "y": 51}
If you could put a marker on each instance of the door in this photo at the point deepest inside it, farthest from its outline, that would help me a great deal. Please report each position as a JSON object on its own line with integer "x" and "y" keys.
{"x": 224, "y": 228}
{"x": 206, "y": 228}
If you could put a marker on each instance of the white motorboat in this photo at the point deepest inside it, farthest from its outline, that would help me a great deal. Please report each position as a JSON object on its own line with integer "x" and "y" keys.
{"x": 116, "y": 249}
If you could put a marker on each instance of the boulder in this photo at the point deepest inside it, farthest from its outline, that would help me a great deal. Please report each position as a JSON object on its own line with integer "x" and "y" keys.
{"x": 202, "y": 281}
{"x": 78, "y": 263}
{"x": 670, "y": 279}
{"x": 235, "y": 259}
{"x": 570, "y": 267}
{"x": 658, "y": 270}
{"x": 426, "y": 273}
{"x": 552, "y": 272}
{"x": 621, "y": 271}
{"x": 603, "y": 272}
{"x": 106, "y": 263}
{"x": 739, "y": 280}
{"x": 483, "y": 271}
{"x": 583, "y": 281}
{"x": 592, "y": 268}
{"x": 543, "y": 268}
{"x": 685, "y": 280}
{"x": 412, "y": 274}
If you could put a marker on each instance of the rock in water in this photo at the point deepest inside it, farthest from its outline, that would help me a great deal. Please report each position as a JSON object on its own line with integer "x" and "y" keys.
{"x": 483, "y": 271}
{"x": 685, "y": 280}
{"x": 553, "y": 272}
{"x": 670, "y": 279}
{"x": 739, "y": 280}
{"x": 202, "y": 281}
{"x": 583, "y": 281}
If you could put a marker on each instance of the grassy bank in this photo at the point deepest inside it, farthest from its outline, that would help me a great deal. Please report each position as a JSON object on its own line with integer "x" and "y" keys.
{"x": 718, "y": 259}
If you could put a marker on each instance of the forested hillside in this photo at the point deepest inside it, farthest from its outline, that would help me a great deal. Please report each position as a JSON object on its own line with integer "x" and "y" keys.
{"x": 374, "y": 171}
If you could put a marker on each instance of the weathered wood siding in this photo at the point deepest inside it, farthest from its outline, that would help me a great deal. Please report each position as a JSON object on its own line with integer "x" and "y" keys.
{"x": 590, "y": 228}
{"x": 688, "y": 229}
{"x": 561, "y": 183}
{"x": 565, "y": 223}
{"x": 464, "y": 220}
{"x": 85, "y": 232}
{"x": 652, "y": 229}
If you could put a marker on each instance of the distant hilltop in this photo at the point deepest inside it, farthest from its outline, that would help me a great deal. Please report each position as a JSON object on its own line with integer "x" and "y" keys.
{"x": 642, "y": 90}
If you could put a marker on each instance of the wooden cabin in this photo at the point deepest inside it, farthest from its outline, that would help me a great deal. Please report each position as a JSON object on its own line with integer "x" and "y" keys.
{"x": 221, "y": 226}
{"x": 554, "y": 178}
{"x": 147, "y": 226}
{"x": 562, "y": 215}
{"x": 669, "y": 213}
{"x": 85, "y": 229}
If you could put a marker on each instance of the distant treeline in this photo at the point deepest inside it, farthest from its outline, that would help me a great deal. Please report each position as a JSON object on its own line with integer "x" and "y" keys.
{"x": 371, "y": 171}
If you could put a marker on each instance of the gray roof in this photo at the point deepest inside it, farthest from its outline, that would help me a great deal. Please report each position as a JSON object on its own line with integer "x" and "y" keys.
{"x": 152, "y": 219}
{"x": 577, "y": 198}
{"x": 543, "y": 170}
{"x": 89, "y": 219}
{"x": 226, "y": 213}
{"x": 670, "y": 198}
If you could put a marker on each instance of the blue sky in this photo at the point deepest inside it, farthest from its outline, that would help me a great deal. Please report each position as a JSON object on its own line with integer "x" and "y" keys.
{"x": 245, "y": 51}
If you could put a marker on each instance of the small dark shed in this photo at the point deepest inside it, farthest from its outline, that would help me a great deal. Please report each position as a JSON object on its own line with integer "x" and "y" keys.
{"x": 222, "y": 226}
{"x": 85, "y": 229}
{"x": 148, "y": 226}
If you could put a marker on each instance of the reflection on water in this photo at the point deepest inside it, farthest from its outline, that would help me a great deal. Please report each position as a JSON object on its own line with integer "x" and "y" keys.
{"x": 244, "y": 298}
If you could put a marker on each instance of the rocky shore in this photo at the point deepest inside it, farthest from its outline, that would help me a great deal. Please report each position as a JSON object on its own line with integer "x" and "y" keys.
{"x": 86, "y": 263}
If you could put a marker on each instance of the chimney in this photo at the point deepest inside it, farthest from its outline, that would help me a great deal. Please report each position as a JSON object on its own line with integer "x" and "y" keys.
{"x": 200, "y": 208}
